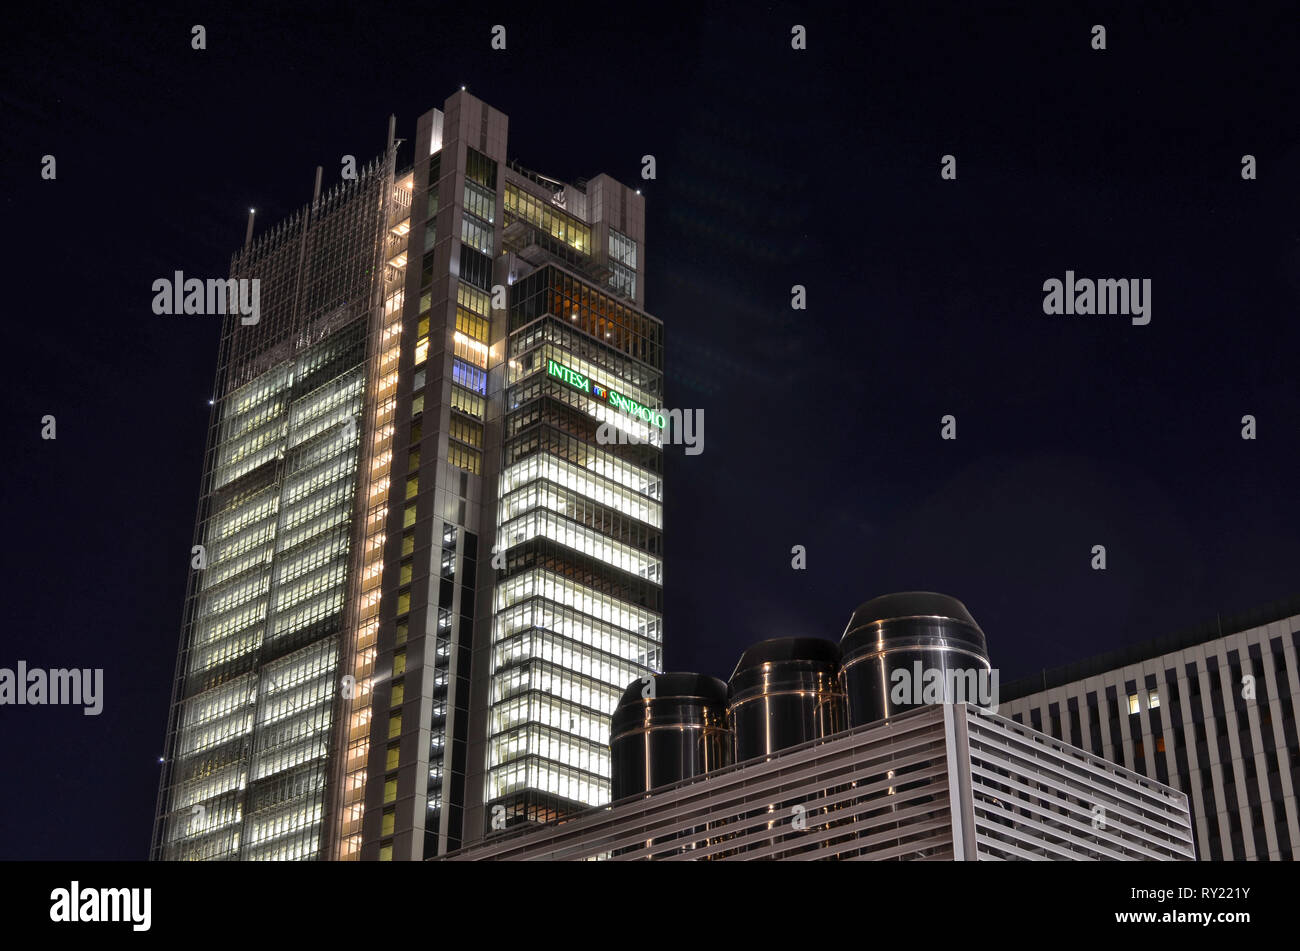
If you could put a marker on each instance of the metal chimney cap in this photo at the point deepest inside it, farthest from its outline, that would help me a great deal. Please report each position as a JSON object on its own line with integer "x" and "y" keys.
{"x": 815, "y": 650}
{"x": 904, "y": 604}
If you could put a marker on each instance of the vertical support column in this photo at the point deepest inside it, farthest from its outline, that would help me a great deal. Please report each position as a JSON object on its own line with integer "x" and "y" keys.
{"x": 960, "y": 797}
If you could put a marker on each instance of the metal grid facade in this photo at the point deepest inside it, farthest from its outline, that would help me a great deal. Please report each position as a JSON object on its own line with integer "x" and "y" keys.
{"x": 939, "y": 782}
{"x": 257, "y": 702}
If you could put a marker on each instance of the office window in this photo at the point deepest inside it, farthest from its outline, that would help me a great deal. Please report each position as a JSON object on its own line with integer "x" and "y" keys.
{"x": 468, "y": 376}
{"x": 390, "y": 790}
{"x": 472, "y": 325}
{"x": 394, "y": 725}
{"x": 390, "y": 818}
{"x": 622, "y": 248}
{"x": 1132, "y": 703}
{"x": 480, "y": 202}
{"x": 1153, "y": 699}
{"x": 481, "y": 169}
{"x": 399, "y": 663}
{"x": 476, "y": 235}
{"x": 398, "y": 696}
{"x": 394, "y": 756}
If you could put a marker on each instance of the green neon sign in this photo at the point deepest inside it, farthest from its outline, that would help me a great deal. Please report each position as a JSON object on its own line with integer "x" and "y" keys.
{"x": 604, "y": 394}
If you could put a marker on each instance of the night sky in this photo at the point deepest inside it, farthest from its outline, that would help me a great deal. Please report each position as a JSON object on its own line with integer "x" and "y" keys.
{"x": 775, "y": 167}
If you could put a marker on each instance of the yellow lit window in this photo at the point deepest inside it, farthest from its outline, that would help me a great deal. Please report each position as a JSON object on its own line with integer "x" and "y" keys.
{"x": 408, "y": 517}
{"x": 386, "y": 852}
{"x": 470, "y": 350}
{"x": 423, "y": 329}
{"x": 421, "y": 350}
{"x": 412, "y": 486}
{"x": 403, "y": 602}
{"x": 471, "y": 324}
{"x": 408, "y": 543}
{"x": 390, "y": 790}
{"x": 406, "y": 573}
{"x": 394, "y": 757}
{"x": 394, "y": 725}
{"x": 398, "y": 696}
{"x": 399, "y": 663}
{"x": 417, "y": 405}
{"x": 1132, "y": 703}
{"x": 401, "y": 633}
{"x": 390, "y": 818}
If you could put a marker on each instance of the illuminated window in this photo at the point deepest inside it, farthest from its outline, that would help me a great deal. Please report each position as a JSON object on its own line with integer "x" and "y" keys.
{"x": 476, "y": 235}
{"x": 394, "y": 725}
{"x": 394, "y": 756}
{"x": 1153, "y": 699}
{"x": 399, "y": 663}
{"x": 464, "y": 457}
{"x": 412, "y": 486}
{"x": 390, "y": 790}
{"x": 398, "y": 696}
{"x": 469, "y": 349}
{"x": 470, "y": 377}
{"x": 471, "y": 325}
{"x": 390, "y": 819}
{"x": 1132, "y": 703}
{"x": 386, "y": 852}
{"x": 421, "y": 350}
{"x": 403, "y": 602}
{"x": 408, "y": 543}
{"x": 1160, "y": 744}
{"x": 408, "y": 517}
{"x": 474, "y": 299}
{"x": 466, "y": 402}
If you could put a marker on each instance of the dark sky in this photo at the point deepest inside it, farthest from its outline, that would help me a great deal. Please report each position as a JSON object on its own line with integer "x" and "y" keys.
{"x": 775, "y": 167}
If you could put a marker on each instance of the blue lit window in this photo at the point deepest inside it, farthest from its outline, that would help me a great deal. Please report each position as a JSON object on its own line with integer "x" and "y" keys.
{"x": 472, "y": 378}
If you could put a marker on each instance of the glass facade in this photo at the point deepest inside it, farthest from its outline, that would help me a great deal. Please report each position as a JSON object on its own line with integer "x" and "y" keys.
{"x": 378, "y": 419}
{"x": 578, "y": 608}
{"x": 251, "y": 771}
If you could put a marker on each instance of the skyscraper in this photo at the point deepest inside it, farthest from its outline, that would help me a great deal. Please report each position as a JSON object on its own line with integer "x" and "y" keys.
{"x": 426, "y": 566}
